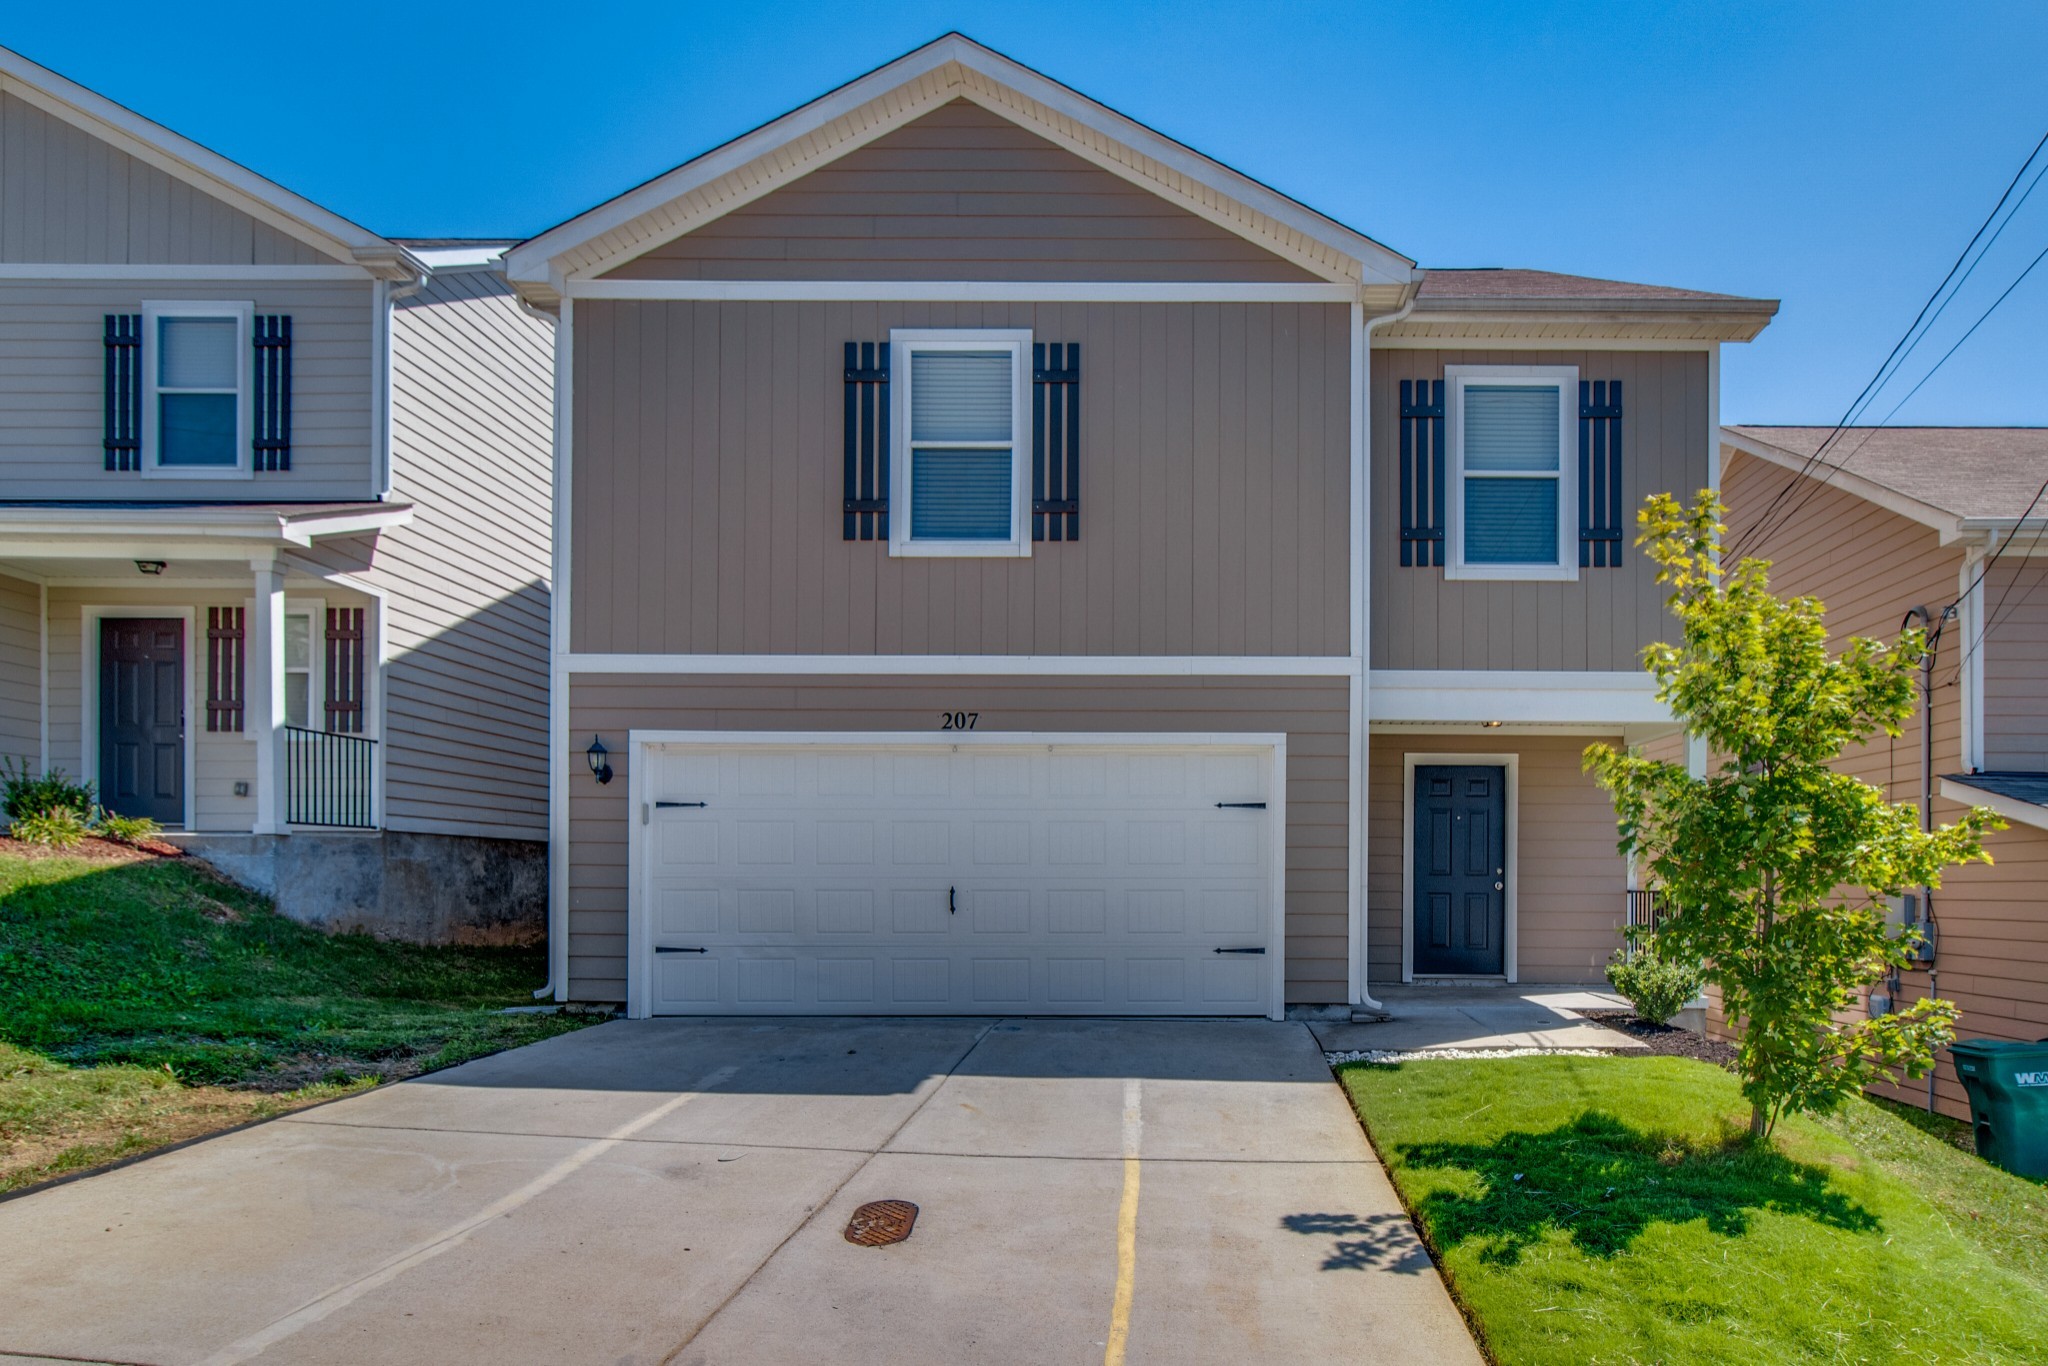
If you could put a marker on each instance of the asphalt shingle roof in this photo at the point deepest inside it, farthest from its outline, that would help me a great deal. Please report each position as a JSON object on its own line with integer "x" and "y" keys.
{"x": 1965, "y": 471}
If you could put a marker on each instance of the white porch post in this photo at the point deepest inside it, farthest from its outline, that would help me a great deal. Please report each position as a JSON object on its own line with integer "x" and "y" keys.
{"x": 264, "y": 675}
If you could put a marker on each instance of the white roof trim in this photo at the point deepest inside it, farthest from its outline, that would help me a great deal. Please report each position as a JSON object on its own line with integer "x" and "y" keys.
{"x": 954, "y": 67}
{"x": 1947, "y": 524}
{"x": 262, "y": 199}
{"x": 1966, "y": 793}
{"x": 80, "y": 530}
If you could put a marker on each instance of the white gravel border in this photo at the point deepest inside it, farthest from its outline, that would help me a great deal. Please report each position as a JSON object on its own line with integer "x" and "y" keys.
{"x": 1459, "y": 1054}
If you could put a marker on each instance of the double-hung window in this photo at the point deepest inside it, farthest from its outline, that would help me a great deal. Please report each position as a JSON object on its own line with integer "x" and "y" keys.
{"x": 1514, "y": 471}
{"x": 959, "y": 414}
{"x": 195, "y": 415}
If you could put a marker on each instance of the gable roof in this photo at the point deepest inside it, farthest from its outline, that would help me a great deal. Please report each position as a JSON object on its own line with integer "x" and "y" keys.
{"x": 953, "y": 67}
{"x": 237, "y": 185}
{"x": 1954, "y": 479}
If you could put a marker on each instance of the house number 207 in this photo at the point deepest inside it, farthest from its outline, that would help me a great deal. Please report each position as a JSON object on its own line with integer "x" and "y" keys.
{"x": 958, "y": 720}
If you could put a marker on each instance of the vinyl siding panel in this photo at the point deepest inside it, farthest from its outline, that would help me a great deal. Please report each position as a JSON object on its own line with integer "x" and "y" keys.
{"x": 1214, "y": 474}
{"x": 961, "y": 194}
{"x": 1870, "y": 565}
{"x": 1421, "y": 620}
{"x": 68, "y": 196}
{"x": 467, "y": 583}
{"x": 2015, "y": 597}
{"x": 52, "y": 391}
{"x": 1571, "y": 881}
{"x": 1313, "y": 713}
{"x": 20, "y": 672}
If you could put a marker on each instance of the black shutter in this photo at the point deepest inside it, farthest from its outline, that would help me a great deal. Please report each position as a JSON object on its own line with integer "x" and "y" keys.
{"x": 1055, "y": 441}
{"x": 1422, "y": 472}
{"x": 1600, "y": 535}
{"x": 865, "y": 515}
{"x": 272, "y": 338}
{"x": 123, "y": 393}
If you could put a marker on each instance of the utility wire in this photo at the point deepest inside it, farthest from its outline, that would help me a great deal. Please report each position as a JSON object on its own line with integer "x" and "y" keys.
{"x": 1897, "y": 354}
{"x": 1983, "y": 571}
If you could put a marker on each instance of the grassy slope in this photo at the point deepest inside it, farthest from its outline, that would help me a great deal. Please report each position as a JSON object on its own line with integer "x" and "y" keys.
{"x": 135, "y": 995}
{"x": 1593, "y": 1210}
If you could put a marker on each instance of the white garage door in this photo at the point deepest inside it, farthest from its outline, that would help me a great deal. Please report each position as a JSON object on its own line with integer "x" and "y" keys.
{"x": 997, "y": 876}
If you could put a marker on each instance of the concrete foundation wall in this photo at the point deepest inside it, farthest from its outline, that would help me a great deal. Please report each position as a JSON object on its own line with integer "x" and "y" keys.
{"x": 427, "y": 889}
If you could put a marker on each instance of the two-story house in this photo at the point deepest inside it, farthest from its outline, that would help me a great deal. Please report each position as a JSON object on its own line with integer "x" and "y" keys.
{"x": 1010, "y": 562}
{"x": 1947, "y": 528}
{"x": 274, "y": 530}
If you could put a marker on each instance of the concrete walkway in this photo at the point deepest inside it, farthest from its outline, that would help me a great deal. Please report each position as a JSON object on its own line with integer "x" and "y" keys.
{"x": 657, "y": 1191}
{"x": 1426, "y": 1019}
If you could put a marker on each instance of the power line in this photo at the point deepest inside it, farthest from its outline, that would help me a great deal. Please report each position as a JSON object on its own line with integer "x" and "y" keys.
{"x": 1991, "y": 562}
{"x": 1899, "y": 349}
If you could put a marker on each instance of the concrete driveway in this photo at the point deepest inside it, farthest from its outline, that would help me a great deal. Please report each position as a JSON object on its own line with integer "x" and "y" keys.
{"x": 1089, "y": 1191}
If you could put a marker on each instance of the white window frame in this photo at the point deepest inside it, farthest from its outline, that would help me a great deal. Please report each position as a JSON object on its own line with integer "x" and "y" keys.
{"x": 904, "y": 341}
{"x": 315, "y": 612}
{"x": 1563, "y": 378}
{"x": 244, "y": 315}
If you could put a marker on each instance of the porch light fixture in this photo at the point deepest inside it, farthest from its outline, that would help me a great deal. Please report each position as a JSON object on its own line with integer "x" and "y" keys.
{"x": 149, "y": 566}
{"x": 600, "y": 762}
{"x": 1489, "y": 725}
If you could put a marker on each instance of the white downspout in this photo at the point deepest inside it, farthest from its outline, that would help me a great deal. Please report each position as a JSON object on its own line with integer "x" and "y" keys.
{"x": 1361, "y": 645}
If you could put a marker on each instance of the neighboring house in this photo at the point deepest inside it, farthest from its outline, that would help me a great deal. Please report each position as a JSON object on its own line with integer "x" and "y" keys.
{"x": 992, "y": 578}
{"x": 1893, "y": 521}
{"x": 274, "y": 531}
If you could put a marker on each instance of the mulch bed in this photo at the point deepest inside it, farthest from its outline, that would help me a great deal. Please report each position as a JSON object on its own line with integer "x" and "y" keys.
{"x": 91, "y": 848}
{"x": 1664, "y": 1040}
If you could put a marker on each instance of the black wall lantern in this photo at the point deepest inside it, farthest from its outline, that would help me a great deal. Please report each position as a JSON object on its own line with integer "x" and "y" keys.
{"x": 600, "y": 760}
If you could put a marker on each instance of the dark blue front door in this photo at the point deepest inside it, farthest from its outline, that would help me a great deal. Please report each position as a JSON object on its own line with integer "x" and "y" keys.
{"x": 1460, "y": 869}
{"x": 142, "y": 717}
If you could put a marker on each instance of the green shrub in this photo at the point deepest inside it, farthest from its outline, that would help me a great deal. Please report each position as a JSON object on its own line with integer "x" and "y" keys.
{"x": 1657, "y": 987}
{"x": 25, "y": 793}
{"x": 60, "y": 827}
{"x": 126, "y": 829}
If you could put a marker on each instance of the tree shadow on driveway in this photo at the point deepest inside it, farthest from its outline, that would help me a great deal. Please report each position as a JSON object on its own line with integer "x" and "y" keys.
{"x": 1602, "y": 1183}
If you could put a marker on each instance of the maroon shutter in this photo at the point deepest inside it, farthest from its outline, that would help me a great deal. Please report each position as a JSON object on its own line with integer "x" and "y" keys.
{"x": 224, "y": 669}
{"x": 345, "y": 670}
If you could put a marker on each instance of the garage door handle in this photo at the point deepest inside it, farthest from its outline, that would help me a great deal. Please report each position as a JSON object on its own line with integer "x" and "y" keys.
{"x": 663, "y": 806}
{"x": 663, "y": 948}
{"x": 1259, "y": 950}
{"x": 1240, "y": 806}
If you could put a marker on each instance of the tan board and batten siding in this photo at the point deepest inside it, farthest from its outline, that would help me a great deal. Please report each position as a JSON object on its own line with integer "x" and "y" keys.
{"x": 68, "y": 196}
{"x": 1214, "y": 487}
{"x": 1312, "y": 713}
{"x": 1571, "y": 881}
{"x": 466, "y": 583}
{"x": 1421, "y": 620}
{"x": 21, "y": 651}
{"x": 961, "y": 194}
{"x": 1869, "y": 565}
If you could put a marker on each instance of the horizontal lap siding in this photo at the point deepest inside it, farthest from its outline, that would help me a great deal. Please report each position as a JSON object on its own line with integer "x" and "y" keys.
{"x": 1571, "y": 881}
{"x": 1311, "y": 712}
{"x": 52, "y": 390}
{"x": 961, "y": 193}
{"x": 1214, "y": 484}
{"x": 2015, "y": 598}
{"x": 1421, "y": 620}
{"x": 20, "y": 672}
{"x": 1869, "y": 566}
{"x": 67, "y": 196}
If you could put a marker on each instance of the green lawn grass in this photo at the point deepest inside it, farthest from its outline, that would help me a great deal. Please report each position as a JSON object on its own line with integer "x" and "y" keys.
{"x": 1608, "y": 1210}
{"x": 144, "y": 1001}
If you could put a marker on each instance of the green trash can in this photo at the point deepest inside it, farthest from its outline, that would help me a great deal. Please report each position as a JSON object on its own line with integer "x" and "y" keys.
{"x": 2008, "y": 1089}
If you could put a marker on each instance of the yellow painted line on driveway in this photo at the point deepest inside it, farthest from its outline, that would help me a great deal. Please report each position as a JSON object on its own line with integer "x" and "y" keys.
{"x": 347, "y": 1293}
{"x": 1126, "y": 1228}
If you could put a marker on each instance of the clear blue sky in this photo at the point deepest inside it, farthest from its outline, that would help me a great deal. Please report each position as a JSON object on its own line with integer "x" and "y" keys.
{"x": 1835, "y": 156}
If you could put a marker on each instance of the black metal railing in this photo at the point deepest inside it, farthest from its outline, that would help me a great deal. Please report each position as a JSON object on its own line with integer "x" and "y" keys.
{"x": 329, "y": 779}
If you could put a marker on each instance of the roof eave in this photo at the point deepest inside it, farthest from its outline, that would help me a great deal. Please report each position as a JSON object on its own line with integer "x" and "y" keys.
{"x": 1948, "y": 526}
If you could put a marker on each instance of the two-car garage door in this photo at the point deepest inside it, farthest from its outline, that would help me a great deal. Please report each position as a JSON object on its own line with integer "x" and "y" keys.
{"x": 995, "y": 875}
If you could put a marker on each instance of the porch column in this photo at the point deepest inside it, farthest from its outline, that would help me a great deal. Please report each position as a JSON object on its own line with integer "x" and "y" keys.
{"x": 265, "y": 701}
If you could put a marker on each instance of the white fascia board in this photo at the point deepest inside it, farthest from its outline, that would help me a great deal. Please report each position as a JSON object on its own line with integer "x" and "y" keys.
{"x": 940, "y": 666}
{"x": 537, "y": 260}
{"x": 1535, "y": 696}
{"x": 304, "y": 529}
{"x": 89, "y": 533}
{"x": 213, "y": 173}
{"x": 962, "y": 291}
{"x": 2022, "y": 536}
{"x": 291, "y": 275}
{"x": 1949, "y": 526}
{"x": 2012, "y": 808}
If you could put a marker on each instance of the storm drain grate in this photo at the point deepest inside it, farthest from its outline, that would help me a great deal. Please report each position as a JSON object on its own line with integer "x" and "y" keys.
{"x": 881, "y": 1222}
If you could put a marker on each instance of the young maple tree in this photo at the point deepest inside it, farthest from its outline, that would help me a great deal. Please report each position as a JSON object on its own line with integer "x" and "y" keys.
{"x": 1772, "y": 869}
